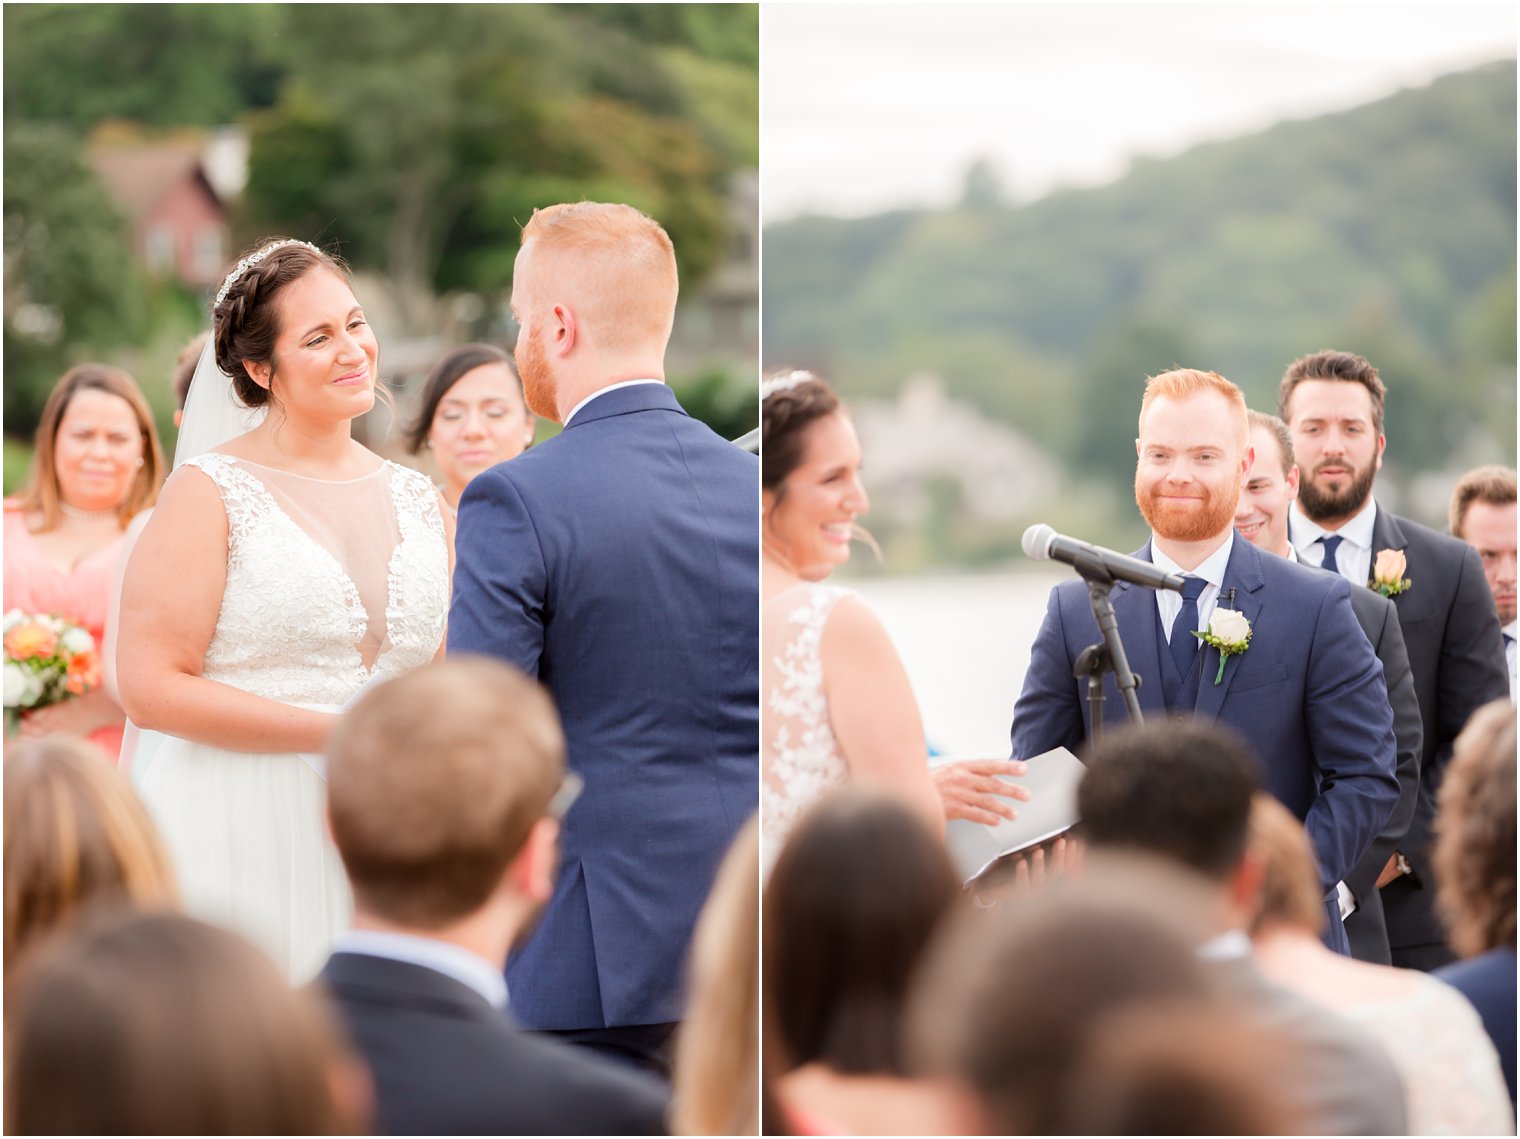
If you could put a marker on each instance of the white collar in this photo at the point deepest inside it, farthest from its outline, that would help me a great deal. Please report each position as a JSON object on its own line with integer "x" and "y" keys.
{"x": 463, "y": 965}
{"x": 1303, "y": 531}
{"x": 1231, "y": 945}
{"x": 1510, "y": 628}
{"x": 1211, "y": 569}
{"x": 604, "y": 391}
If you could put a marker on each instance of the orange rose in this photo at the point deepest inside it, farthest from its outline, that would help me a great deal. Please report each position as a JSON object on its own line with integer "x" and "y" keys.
{"x": 30, "y": 640}
{"x": 84, "y": 672}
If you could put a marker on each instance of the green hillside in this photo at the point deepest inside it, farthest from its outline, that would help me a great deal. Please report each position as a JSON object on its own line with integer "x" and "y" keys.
{"x": 1388, "y": 230}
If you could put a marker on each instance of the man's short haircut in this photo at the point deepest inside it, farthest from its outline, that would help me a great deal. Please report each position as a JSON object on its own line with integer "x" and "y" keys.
{"x": 1346, "y": 367}
{"x": 1279, "y": 431}
{"x": 1492, "y": 485}
{"x": 633, "y": 262}
{"x": 1183, "y": 383}
{"x": 434, "y": 780}
{"x": 1290, "y": 889}
{"x": 1180, "y": 790}
{"x": 1007, "y": 1001}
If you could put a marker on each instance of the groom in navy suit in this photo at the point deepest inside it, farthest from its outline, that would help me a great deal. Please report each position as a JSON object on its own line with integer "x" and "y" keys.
{"x": 1307, "y": 693}
{"x": 618, "y": 563}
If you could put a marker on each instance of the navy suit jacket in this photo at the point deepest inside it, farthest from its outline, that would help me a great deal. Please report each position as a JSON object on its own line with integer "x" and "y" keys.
{"x": 618, "y": 563}
{"x": 444, "y": 1062}
{"x": 1308, "y": 696}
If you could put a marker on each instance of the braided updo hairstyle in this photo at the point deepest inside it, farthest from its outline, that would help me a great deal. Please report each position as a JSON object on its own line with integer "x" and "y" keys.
{"x": 246, "y": 321}
{"x": 789, "y": 403}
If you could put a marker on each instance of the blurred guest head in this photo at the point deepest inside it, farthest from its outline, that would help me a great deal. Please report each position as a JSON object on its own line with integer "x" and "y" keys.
{"x": 811, "y": 493}
{"x": 153, "y": 1023}
{"x": 1483, "y": 516}
{"x": 1009, "y": 1001}
{"x": 852, "y": 901}
{"x": 97, "y": 449}
{"x": 1332, "y": 402}
{"x": 471, "y": 415}
{"x": 594, "y": 292}
{"x": 1475, "y": 834}
{"x": 1269, "y": 487}
{"x": 74, "y": 834}
{"x": 1177, "y": 1067}
{"x": 1177, "y": 789}
{"x": 1291, "y": 895}
{"x": 716, "y": 1086}
{"x": 439, "y": 787}
{"x": 184, "y": 372}
{"x": 1191, "y": 452}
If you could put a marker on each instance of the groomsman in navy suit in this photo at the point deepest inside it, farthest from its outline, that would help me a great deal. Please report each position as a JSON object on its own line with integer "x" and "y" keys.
{"x": 1271, "y": 485}
{"x": 1333, "y": 405}
{"x": 1307, "y": 692}
{"x": 618, "y": 563}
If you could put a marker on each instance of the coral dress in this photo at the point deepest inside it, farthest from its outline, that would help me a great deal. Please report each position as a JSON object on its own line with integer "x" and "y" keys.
{"x": 35, "y": 584}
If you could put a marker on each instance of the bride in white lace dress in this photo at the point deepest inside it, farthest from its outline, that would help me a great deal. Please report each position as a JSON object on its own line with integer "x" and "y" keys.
{"x": 836, "y": 702}
{"x": 280, "y": 572}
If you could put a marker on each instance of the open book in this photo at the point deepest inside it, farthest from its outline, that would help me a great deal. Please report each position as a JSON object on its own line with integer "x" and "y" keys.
{"x": 1052, "y": 781}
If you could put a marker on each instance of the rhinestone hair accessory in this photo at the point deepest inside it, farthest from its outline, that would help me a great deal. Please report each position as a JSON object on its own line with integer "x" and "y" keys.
{"x": 785, "y": 382}
{"x": 253, "y": 259}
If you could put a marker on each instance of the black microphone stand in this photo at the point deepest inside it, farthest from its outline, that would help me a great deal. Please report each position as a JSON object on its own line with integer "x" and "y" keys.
{"x": 1096, "y": 661}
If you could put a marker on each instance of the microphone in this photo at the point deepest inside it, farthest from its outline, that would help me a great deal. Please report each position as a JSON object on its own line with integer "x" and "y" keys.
{"x": 1043, "y": 544}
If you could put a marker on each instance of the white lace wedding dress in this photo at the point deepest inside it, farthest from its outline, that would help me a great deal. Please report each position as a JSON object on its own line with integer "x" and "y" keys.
{"x": 800, "y": 758}
{"x": 329, "y": 584}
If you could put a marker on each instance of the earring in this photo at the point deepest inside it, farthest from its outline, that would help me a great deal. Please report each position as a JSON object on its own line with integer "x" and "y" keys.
{"x": 140, "y": 461}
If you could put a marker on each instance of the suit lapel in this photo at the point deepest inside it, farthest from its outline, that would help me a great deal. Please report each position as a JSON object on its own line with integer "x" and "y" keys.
{"x": 1242, "y": 574}
{"x": 1135, "y": 611}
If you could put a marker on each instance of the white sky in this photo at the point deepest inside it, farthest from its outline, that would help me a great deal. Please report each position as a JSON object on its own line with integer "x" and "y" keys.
{"x": 871, "y": 106}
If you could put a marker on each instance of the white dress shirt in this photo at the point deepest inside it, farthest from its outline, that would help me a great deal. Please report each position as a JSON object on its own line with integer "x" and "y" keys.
{"x": 440, "y": 956}
{"x": 1509, "y": 654}
{"x": 604, "y": 391}
{"x": 1211, "y": 569}
{"x": 1353, "y": 559}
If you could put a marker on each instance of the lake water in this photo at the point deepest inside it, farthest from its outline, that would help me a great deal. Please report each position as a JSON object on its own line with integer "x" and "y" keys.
{"x": 965, "y": 642}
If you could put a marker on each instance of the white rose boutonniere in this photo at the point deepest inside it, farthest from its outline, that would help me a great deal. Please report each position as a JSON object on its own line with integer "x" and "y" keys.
{"x": 1230, "y": 633}
{"x": 1388, "y": 573}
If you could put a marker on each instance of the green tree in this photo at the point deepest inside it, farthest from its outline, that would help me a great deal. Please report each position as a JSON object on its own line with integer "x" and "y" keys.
{"x": 70, "y": 285}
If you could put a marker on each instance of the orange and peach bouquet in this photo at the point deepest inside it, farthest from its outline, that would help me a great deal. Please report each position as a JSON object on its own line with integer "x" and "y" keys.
{"x": 47, "y": 660}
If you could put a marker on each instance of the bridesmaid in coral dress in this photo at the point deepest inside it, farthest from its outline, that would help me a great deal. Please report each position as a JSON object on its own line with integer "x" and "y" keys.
{"x": 97, "y": 464}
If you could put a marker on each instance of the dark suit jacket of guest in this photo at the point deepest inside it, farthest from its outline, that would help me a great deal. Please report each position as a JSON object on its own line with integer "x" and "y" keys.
{"x": 1456, "y": 653}
{"x": 1488, "y": 981}
{"x": 1365, "y": 926}
{"x": 618, "y": 563}
{"x": 1308, "y": 696}
{"x": 444, "y": 1062}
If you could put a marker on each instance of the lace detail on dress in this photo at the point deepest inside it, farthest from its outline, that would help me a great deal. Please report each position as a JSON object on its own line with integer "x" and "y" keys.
{"x": 291, "y": 621}
{"x": 1453, "y": 1084}
{"x": 418, "y": 576}
{"x": 801, "y": 758}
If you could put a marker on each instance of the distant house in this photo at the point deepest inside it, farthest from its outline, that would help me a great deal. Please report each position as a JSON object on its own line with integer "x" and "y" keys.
{"x": 179, "y": 222}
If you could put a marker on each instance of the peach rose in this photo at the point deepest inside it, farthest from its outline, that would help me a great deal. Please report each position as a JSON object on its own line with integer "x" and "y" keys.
{"x": 30, "y": 640}
{"x": 1389, "y": 567}
{"x": 84, "y": 672}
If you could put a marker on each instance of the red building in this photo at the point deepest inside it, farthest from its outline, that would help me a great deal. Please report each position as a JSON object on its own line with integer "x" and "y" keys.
{"x": 179, "y": 224}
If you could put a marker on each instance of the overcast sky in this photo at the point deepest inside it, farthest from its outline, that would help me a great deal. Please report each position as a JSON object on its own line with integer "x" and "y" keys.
{"x": 871, "y": 106}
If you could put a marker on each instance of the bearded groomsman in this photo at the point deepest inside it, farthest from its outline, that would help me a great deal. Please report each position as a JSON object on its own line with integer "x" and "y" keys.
{"x": 1269, "y": 488}
{"x": 1333, "y": 405}
{"x": 1483, "y": 516}
{"x": 1304, "y": 689}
